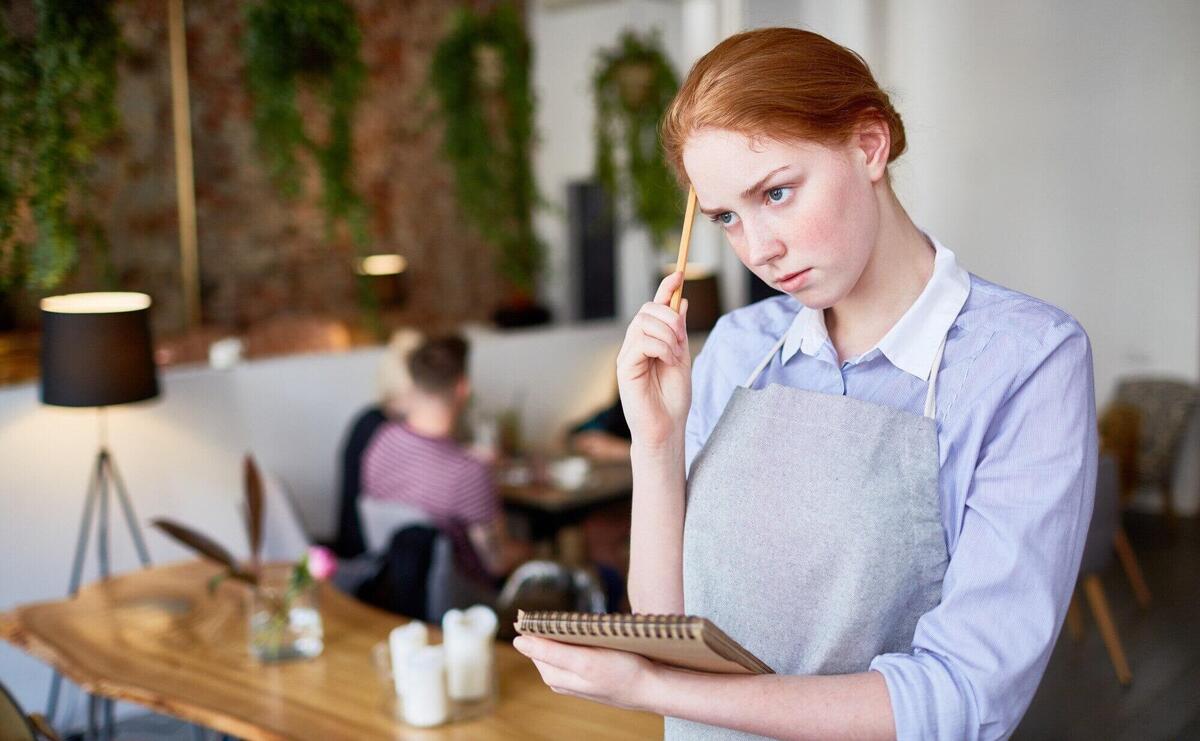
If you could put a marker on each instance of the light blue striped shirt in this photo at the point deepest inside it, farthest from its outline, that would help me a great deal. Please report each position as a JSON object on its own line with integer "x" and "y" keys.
{"x": 1017, "y": 441}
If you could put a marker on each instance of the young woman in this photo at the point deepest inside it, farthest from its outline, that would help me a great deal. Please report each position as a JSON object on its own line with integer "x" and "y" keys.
{"x": 879, "y": 483}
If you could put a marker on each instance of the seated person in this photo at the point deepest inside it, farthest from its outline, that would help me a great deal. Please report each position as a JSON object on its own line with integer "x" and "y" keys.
{"x": 414, "y": 459}
{"x": 604, "y": 436}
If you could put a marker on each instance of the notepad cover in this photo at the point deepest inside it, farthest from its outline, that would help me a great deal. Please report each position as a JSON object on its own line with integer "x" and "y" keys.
{"x": 684, "y": 641}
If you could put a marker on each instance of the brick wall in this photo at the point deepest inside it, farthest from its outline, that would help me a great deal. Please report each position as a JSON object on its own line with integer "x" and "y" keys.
{"x": 261, "y": 255}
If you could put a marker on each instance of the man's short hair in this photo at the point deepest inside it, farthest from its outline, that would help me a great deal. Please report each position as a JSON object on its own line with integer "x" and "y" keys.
{"x": 439, "y": 363}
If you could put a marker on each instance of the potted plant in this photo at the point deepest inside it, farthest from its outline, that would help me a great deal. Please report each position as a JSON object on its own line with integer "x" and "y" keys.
{"x": 632, "y": 86}
{"x": 480, "y": 75}
{"x": 284, "y": 620}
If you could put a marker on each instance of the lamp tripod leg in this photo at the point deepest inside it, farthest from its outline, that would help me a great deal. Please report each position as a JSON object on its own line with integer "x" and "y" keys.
{"x": 102, "y": 550}
{"x": 85, "y": 527}
{"x": 135, "y": 531}
{"x": 81, "y": 543}
{"x": 92, "y": 730}
{"x": 109, "y": 725}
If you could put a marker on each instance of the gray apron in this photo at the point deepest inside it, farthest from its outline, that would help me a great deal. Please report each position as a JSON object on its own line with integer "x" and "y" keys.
{"x": 813, "y": 533}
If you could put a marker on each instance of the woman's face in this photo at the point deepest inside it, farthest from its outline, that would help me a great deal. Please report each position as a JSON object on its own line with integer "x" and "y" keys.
{"x": 802, "y": 216}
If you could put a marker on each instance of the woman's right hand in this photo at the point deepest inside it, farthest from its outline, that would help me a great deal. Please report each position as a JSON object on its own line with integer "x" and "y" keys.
{"x": 654, "y": 370}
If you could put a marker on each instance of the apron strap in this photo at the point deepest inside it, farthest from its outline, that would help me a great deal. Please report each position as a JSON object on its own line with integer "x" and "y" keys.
{"x": 764, "y": 362}
{"x": 931, "y": 394}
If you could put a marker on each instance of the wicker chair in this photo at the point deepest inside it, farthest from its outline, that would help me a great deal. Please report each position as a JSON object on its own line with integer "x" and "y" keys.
{"x": 1164, "y": 408}
{"x": 15, "y": 725}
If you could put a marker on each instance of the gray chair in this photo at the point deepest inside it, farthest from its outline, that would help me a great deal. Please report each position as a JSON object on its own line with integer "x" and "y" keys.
{"x": 548, "y": 585}
{"x": 1097, "y": 555}
{"x": 535, "y": 585}
{"x": 15, "y": 725}
{"x": 446, "y": 587}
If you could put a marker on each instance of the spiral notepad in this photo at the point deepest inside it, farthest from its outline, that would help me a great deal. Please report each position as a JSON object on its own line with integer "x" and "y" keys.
{"x": 684, "y": 641}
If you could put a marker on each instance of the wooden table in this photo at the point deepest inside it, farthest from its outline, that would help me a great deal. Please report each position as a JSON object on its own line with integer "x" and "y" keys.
{"x": 550, "y": 508}
{"x": 157, "y": 638}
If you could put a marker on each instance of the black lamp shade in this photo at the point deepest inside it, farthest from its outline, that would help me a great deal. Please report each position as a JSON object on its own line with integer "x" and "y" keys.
{"x": 96, "y": 350}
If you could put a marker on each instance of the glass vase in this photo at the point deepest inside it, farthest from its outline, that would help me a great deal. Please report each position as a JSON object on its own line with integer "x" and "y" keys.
{"x": 285, "y": 621}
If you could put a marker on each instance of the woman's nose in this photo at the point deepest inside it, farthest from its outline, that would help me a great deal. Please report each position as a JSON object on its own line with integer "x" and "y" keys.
{"x": 762, "y": 246}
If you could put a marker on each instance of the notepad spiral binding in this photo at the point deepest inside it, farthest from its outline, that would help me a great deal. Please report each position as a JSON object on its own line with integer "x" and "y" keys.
{"x": 614, "y": 625}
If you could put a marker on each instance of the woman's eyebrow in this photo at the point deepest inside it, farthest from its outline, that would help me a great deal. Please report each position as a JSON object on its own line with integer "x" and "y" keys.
{"x": 748, "y": 192}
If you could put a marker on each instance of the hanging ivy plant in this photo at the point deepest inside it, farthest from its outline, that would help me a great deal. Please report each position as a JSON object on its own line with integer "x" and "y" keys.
{"x": 633, "y": 85}
{"x": 316, "y": 43}
{"x": 480, "y": 74}
{"x": 57, "y": 105}
{"x": 18, "y": 139}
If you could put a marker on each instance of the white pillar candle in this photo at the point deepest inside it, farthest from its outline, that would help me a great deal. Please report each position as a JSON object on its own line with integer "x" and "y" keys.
{"x": 424, "y": 687}
{"x": 403, "y": 641}
{"x": 469, "y": 638}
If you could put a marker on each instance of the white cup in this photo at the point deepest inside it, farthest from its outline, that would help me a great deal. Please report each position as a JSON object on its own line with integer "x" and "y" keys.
{"x": 571, "y": 472}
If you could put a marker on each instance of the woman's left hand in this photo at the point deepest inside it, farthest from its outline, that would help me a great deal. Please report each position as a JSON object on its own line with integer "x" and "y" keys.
{"x": 604, "y": 675}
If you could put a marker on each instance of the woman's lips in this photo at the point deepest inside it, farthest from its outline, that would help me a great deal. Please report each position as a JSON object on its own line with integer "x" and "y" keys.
{"x": 794, "y": 282}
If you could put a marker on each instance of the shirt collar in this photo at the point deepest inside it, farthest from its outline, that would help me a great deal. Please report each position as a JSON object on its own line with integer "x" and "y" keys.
{"x": 913, "y": 341}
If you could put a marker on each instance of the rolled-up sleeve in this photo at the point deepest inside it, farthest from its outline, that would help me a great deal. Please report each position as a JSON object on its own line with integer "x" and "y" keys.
{"x": 977, "y": 658}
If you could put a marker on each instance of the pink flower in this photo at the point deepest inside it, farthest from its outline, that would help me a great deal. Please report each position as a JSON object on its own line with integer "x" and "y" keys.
{"x": 321, "y": 562}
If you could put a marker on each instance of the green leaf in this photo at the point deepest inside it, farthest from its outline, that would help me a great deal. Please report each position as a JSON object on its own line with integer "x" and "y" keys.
{"x": 215, "y": 581}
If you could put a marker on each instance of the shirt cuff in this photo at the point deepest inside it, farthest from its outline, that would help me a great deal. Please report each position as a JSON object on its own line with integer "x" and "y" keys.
{"x": 928, "y": 700}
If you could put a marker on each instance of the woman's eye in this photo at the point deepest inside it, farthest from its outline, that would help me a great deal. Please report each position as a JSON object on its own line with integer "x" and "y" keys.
{"x": 775, "y": 195}
{"x": 725, "y": 218}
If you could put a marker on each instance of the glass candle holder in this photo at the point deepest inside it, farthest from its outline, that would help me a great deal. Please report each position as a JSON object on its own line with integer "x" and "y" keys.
{"x": 285, "y": 620}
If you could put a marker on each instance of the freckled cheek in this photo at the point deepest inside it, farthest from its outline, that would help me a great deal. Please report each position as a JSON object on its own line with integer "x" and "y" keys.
{"x": 831, "y": 225}
{"x": 814, "y": 229}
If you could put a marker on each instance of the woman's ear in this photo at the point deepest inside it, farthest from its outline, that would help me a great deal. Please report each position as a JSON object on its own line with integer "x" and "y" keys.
{"x": 874, "y": 141}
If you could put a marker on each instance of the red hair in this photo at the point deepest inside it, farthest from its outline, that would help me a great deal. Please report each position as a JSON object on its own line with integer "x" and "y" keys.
{"x": 779, "y": 83}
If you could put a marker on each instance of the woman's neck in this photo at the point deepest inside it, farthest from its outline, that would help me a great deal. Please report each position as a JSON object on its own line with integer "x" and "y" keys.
{"x": 895, "y": 275}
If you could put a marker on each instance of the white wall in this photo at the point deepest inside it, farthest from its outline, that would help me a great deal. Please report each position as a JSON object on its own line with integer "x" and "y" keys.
{"x": 1052, "y": 146}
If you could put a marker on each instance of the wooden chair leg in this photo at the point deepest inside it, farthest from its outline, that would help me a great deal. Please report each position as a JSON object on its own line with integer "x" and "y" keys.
{"x": 1169, "y": 508}
{"x": 1108, "y": 630}
{"x": 1075, "y": 619}
{"x": 42, "y": 726}
{"x": 1133, "y": 571}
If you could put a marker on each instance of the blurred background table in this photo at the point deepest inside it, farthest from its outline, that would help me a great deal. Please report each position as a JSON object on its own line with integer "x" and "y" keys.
{"x": 157, "y": 638}
{"x": 550, "y": 508}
